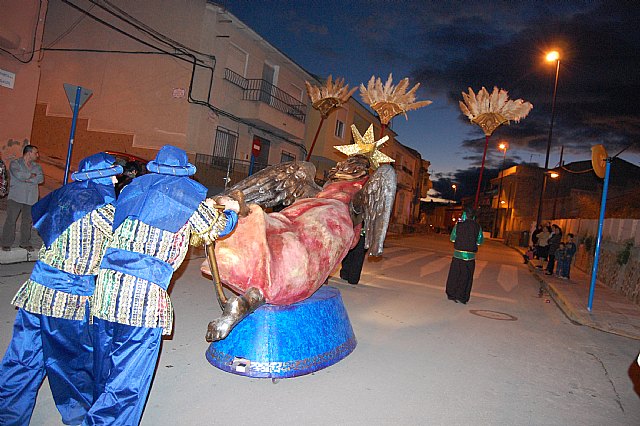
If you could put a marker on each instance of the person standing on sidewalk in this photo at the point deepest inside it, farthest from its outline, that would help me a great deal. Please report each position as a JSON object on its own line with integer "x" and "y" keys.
{"x": 554, "y": 244}
{"x": 51, "y": 330}
{"x": 562, "y": 261}
{"x": 25, "y": 176}
{"x": 571, "y": 248}
{"x": 542, "y": 249}
{"x": 4, "y": 180}
{"x": 466, "y": 237}
{"x": 156, "y": 216}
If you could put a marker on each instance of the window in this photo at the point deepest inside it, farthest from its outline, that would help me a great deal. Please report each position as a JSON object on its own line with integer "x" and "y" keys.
{"x": 339, "y": 129}
{"x": 226, "y": 141}
{"x": 287, "y": 156}
{"x": 237, "y": 60}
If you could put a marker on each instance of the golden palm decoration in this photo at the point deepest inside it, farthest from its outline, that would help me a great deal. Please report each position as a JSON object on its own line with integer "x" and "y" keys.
{"x": 330, "y": 96}
{"x": 490, "y": 111}
{"x": 327, "y": 99}
{"x": 388, "y": 101}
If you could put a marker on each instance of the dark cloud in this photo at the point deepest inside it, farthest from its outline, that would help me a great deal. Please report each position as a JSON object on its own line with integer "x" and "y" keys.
{"x": 450, "y": 46}
{"x": 597, "y": 81}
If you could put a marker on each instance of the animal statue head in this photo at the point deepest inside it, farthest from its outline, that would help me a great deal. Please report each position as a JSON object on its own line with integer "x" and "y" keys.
{"x": 354, "y": 167}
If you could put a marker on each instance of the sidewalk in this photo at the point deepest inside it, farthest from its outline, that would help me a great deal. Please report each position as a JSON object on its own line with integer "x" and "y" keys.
{"x": 611, "y": 312}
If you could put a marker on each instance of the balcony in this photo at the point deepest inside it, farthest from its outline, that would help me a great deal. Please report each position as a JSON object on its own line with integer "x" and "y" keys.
{"x": 259, "y": 90}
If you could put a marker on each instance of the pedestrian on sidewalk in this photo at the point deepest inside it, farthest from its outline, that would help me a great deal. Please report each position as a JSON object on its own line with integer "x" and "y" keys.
{"x": 542, "y": 249}
{"x": 571, "y": 248}
{"x": 156, "y": 215}
{"x": 24, "y": 177}
{"x": 554, "y": 243}
{"x": 562, "y": 260}
{"x": 51, "y": 330}
{"x": 4, "y": 180}
{"x": 466, "y": 237}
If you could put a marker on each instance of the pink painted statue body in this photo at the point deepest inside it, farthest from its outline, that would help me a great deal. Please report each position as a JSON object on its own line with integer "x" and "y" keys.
{"x": 289, "y": 255}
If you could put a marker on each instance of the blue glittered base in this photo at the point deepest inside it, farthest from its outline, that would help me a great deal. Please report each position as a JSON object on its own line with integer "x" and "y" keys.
{"x": 287, "y": 341}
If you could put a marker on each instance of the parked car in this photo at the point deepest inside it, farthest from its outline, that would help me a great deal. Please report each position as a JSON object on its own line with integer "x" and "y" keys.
{"x": 122, "y": 158}
{"x": 133, "y": 166}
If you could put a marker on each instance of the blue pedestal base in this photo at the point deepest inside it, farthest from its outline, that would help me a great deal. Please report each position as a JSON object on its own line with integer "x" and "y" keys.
{"x": 287, "y": 341}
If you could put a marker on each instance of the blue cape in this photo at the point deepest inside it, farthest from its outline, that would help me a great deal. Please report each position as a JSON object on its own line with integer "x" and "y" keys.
{"x": 162, "y": 201}
{"x": 53, "y": 214}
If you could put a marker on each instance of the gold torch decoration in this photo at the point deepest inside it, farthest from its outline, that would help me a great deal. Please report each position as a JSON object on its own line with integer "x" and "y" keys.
{"x": 490, "y": 111}
{"x": 327, "y": 99}
{"x": 388, "y": 100}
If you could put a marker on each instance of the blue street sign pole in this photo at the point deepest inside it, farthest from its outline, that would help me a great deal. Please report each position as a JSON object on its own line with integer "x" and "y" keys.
{"x": 251, "y": 164}
{"x": 603, "y": 204}
{"x": 76, "y": 108}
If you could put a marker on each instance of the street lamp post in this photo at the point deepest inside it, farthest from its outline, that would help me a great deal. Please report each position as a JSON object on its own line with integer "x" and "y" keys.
{"x": 503, "y": 147}
{"x": 455, "y": 189}
{"x": 551, "y": 56}
{"x": 554, "y": 175}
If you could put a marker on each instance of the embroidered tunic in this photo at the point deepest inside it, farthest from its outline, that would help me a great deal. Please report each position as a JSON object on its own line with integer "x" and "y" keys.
{"x": 127, "y": 299}
{"x": 78, "y": 251}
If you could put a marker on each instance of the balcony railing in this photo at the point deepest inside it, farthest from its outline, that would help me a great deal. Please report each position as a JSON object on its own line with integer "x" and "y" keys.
{"x": 254, "y": 89}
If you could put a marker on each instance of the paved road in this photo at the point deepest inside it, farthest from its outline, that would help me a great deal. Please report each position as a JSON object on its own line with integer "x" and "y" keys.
{"x": 506, "y": 358}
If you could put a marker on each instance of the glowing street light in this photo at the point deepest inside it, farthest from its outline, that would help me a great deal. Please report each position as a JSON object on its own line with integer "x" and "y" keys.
{"x": 502, "y": 147}
{"x": 553, "y": 56}
{"x": 455, "y": 189}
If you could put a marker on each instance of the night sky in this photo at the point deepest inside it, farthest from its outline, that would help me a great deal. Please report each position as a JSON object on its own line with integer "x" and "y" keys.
{"x": 450, "y": 46}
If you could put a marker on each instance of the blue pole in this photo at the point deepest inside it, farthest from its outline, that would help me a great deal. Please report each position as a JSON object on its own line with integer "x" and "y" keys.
{"x": 253, "y": 161}
{"x": 76, "y": 107}
{"x": 603, "y": 204}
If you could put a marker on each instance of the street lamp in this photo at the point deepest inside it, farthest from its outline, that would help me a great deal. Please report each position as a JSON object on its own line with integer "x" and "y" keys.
{"x": 551, "y": 57}
{"x": 503, "y": 147}
{"x": 455, "y": 188}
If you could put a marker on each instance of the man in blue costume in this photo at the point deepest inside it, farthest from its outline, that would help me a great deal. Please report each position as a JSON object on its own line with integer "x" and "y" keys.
{"x": 156, "y": 216}
{"x": 51, "y": 330}
{"x": 466, "y": 236}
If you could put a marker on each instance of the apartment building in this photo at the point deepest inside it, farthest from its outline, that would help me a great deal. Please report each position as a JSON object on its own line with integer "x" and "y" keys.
{"x": 194, "y": 76}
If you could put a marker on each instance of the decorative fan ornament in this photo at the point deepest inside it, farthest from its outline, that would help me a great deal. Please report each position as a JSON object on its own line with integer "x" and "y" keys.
{"x": 388, "y": 100}
{"x": 329, "y": 97}
{"x": 490, "y": 111}
{"x": 366, "y": 145}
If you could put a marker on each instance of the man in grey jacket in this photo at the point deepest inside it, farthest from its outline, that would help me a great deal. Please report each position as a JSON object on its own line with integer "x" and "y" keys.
{"x": 24, "y": 177}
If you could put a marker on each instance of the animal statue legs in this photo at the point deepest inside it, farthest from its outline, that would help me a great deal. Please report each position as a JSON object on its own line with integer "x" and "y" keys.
{"x": 235, "y": 310}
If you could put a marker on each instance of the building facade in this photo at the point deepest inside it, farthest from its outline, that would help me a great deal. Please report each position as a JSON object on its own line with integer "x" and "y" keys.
{"x": 194, "y": 76}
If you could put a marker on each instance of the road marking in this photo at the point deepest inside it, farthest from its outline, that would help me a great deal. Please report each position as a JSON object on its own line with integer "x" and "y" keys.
{"x": 508, "y": 277}
{"x": 403, "y": 259}
{"x": 480, "y": 265}
{"x": 371, "y": 281}
{"x": 434, "y": 266}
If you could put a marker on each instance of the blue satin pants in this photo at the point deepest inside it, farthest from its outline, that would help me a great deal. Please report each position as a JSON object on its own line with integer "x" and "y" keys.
{"x": 125, "y": 359}
{"x": 59, "y": 348}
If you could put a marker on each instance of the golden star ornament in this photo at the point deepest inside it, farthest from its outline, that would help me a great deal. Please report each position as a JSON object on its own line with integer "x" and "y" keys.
{"x": 366, "y": 145}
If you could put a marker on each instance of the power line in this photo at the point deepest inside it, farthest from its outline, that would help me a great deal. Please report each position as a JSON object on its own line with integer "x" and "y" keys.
{"x": 33, "y": 41}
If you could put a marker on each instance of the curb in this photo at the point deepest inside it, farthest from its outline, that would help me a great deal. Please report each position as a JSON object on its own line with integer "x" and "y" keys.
{"x": 18, "y": 255}
{"x": 570, "y": 313}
